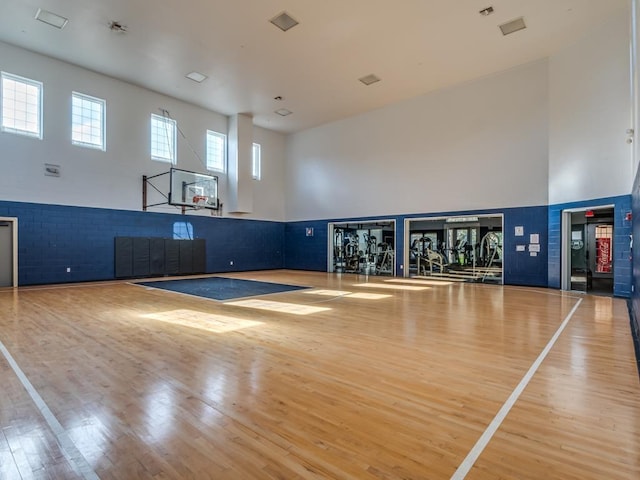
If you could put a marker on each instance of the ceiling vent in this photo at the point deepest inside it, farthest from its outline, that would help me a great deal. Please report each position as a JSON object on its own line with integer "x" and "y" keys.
{"x": 51, "y": 18}
{"x": 196, "y": 77}
{"x": 284, "y": 21}
{"x": 283, "y": 112}
{"x": 369, "y": 79}
{"x": 513, "y": 26}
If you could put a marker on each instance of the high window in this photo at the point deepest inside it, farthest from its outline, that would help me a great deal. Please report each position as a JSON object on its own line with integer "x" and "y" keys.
{"x": 163, "y": 139}
{"x": 256, "y": 169}
{"x": 216, "y": 151}
{"x": 87, "y": 121}
{"x": 21, "y": 105}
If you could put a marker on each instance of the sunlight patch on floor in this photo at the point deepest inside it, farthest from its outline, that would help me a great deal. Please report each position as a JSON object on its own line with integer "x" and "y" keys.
{"x": 391, "y": 287}
{"x": 293, "y": 308}
{"x": 420, "y": 282}
{"x": 202, "y": 320}
{"x": 346, "y": 294}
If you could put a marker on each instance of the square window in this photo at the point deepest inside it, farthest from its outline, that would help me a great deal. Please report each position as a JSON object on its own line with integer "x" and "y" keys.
{"x": 163, "y": 139}
{"x": 21, "y": 105}
{"x": 88, "y": 121}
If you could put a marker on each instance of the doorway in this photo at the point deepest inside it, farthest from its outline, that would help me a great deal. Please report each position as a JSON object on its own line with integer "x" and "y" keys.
{"x": 465, "y": 248}
{"x": 588, "y": 247}
{"x": 8, "y": 252}
{"x": 366, "y": 247}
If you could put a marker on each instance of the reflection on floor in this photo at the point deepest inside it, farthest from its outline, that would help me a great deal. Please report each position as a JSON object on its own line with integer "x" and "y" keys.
{"x": 581, "y": 282}
{"x": 466, "y": 274}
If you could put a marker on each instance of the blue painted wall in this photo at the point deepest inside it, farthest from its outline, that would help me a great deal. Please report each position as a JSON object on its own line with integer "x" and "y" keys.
{"x": 621, "y": 248}
{"x": 635, "y": 294}
{"x": 53, "y": 237}
{"x": 310, "y": 253}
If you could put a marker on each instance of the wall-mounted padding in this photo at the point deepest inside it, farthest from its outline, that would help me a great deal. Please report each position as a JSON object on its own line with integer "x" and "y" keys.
{"x": 172, "y": 257}
{"x": 156, "y": 256}
{"x": 143, "y": 257}
{"x": 124, "y": 257}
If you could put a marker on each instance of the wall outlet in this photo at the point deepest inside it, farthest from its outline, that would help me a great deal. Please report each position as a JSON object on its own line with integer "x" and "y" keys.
{"x": 68, "y": 269}
{"x": 231, "y": 262}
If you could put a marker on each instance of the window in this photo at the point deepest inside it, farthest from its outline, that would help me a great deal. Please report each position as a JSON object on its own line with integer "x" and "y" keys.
{"x": 21, "y": 105}
{"x": 163, "y": 139}
{"x": 216, "y": 151}
{"x": 87, "y": 121}
{"x": 256, "y": 167}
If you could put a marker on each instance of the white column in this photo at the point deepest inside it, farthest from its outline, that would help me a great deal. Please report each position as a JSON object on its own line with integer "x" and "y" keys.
{"x": 239, "y": 178}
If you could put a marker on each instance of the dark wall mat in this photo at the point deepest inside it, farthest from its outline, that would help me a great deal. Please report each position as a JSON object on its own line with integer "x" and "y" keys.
{"x": 219, "y": 288}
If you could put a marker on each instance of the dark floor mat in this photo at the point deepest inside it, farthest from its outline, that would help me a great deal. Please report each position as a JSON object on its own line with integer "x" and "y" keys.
{"x": 219, "y": 288}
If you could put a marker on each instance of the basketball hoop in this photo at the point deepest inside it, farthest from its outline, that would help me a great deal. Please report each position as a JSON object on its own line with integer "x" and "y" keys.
{"x": 200, "y": 201}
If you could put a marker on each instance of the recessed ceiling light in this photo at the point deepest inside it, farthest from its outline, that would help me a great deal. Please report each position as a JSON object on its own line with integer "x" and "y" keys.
{"x": 513, "y": 26}
{"x": 51, "y": 18}
{"x": 486, "y": 11}
{"x": 284, "y": 21}
{"x": 196, "y": 77}
{"x": 369, "y": 79}
{"x": 283, "y": 112}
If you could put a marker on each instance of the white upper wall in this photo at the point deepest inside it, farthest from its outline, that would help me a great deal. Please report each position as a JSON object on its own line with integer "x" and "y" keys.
{"x": 113, "y": 179}
{"x": 478, "y": 145}
{"x": 590, "y": 111}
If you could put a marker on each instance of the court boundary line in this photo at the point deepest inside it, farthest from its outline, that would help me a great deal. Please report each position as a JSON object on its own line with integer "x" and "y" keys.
{"x": 475, "y": 452}
{"x": 78, "y": 462}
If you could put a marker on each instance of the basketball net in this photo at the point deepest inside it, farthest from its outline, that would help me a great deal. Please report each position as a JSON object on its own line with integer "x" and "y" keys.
{"x": 200, "y": 201}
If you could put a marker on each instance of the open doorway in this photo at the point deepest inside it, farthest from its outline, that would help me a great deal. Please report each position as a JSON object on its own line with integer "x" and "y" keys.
{"x": 588, "y": 246}
{"x": 8, "y": 252}
{"x": 364, "y": 247}
{"x": 465, "y": 248}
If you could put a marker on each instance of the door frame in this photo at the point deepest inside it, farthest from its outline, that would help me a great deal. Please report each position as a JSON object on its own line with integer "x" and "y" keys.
{"x": 14, "y": 230}
{"x": 407, "y": 234}
{"x": 330, "y": 238}
{"x": 565, "y": 245}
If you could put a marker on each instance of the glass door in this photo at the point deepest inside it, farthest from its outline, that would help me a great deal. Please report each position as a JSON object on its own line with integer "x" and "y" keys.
{"x": 579, "y": 253}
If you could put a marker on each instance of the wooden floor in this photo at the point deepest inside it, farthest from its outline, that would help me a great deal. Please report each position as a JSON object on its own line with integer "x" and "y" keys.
{"x": 397, "y": 380}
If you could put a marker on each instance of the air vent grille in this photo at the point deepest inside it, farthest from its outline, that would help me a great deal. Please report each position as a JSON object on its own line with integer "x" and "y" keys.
{"x": 369, "y": 79}
{"x": 284, "y": 21}
{"x": 513, "y": 26}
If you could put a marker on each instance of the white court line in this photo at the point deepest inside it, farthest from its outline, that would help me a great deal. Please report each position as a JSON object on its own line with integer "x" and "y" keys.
{"x": 484, "y": 440}
{"x": 79, "y": 464}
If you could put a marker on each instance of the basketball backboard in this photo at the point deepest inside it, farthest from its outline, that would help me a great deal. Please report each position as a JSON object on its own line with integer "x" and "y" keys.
{"x": 190, "y": 189}
{"x": 184, "y": 189}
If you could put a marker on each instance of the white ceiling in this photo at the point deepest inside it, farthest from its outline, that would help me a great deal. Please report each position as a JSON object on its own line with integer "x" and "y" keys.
{"x": 414, "y": 46}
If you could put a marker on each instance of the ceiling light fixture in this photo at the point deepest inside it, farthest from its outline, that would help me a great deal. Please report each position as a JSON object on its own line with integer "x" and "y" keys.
{"x": 485, "y": 12}
{"x": 369, "y": 79}
{"x": 284, "y": 21}
{"x": 283, "y": 112}
{"x": 196, "y": 77}
{"x": 51, "y": 18}
{"x": 513, "y": 26}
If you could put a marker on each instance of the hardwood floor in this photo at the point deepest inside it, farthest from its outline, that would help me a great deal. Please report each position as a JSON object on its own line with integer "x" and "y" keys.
{"x": 394, "y": 380}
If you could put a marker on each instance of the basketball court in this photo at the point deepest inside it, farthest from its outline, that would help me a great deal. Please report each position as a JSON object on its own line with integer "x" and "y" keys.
{"x": 354, "y": 377}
